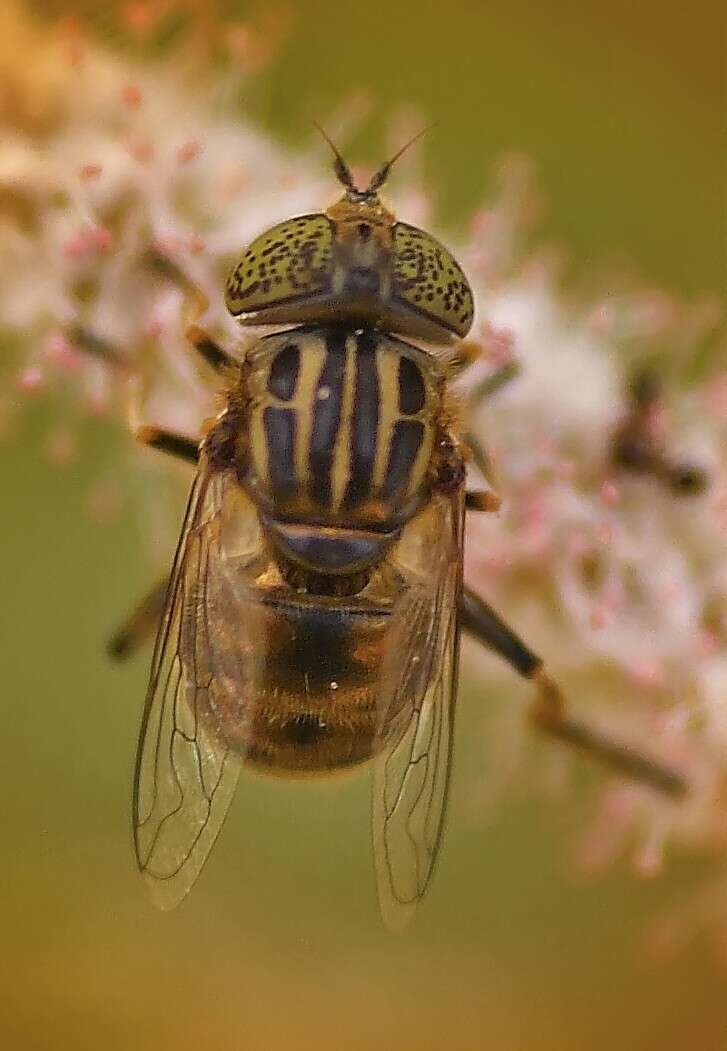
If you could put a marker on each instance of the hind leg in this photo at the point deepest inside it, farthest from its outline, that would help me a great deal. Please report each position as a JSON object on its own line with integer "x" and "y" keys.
{"x": 141, "y": 624}
{"x": 143, "y": 621}
{"x": 549, "y": 712}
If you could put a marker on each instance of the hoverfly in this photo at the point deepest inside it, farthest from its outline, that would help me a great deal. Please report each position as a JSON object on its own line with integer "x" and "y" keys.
{"x": 312, "y": 617}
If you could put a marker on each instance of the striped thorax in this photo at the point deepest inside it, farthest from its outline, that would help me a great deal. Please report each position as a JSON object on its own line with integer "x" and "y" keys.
{"x": 341, "y": 426}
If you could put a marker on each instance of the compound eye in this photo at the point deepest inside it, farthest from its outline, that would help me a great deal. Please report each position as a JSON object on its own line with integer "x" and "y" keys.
{"x": 286, "y": 266}
{"x": 430, "y": 281}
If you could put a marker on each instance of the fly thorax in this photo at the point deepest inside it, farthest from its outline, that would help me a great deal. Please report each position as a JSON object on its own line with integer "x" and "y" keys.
{"x": 342, "y": 425}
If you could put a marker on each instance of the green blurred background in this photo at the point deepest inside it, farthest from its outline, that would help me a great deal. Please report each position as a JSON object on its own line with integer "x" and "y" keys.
{"x": 622, "y": 106}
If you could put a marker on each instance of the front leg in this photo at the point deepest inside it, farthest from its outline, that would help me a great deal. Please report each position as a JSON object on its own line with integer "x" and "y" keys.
{"x": 195, "y": 306}
{"x": 448, "y": 472}
{"x": 548, "y": 711}
{"x": 460, "y": 357}
{"x": 170, "y": 442}
{"x": 482, "y": 500}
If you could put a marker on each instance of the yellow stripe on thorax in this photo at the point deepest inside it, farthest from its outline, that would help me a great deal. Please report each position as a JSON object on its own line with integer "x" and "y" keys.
{"x": 341, "y": 468}
{"x": 421, "y": 463}
{"x": 387, "y": 366}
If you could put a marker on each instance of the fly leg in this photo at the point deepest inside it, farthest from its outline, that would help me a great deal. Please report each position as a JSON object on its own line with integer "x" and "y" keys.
{"x": 170, "y": 442}
{"x": 448, "y": 473}
{"x": 464, "y": 354}
{"x": 143, "y": 621}
{"x": 141, "y": 624}
{"x": 495, "y": 381}
{"x": 196, "y": 304}
{"x": 548, "y": 711}
{"x": 111, "y": 355}
{"x": 97, "y": 347}
{"x": 482, "y": 500}
{"x": 461, "y": 357}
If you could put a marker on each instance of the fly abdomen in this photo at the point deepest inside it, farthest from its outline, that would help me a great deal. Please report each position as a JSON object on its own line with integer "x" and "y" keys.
{"x": 314, "y": 710}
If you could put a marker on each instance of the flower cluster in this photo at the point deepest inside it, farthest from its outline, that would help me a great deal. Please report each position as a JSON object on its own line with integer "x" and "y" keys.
{"x": 613, "y": 567}
{"x": 609, "y": 550}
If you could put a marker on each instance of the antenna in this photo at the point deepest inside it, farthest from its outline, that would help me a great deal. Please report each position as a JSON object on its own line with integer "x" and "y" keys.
{"x": 379, "y": 177}
{"x": 342, "y": 170}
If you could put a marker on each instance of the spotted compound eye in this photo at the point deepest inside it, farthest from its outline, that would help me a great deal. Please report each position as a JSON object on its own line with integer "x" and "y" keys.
{"x": 430, "y": 280}
{"x": 289, "y": 263}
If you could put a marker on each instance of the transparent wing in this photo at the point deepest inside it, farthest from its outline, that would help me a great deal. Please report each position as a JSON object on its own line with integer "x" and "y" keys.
{"x": 411, "y": 776}
{"x": 186, "y": 773}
